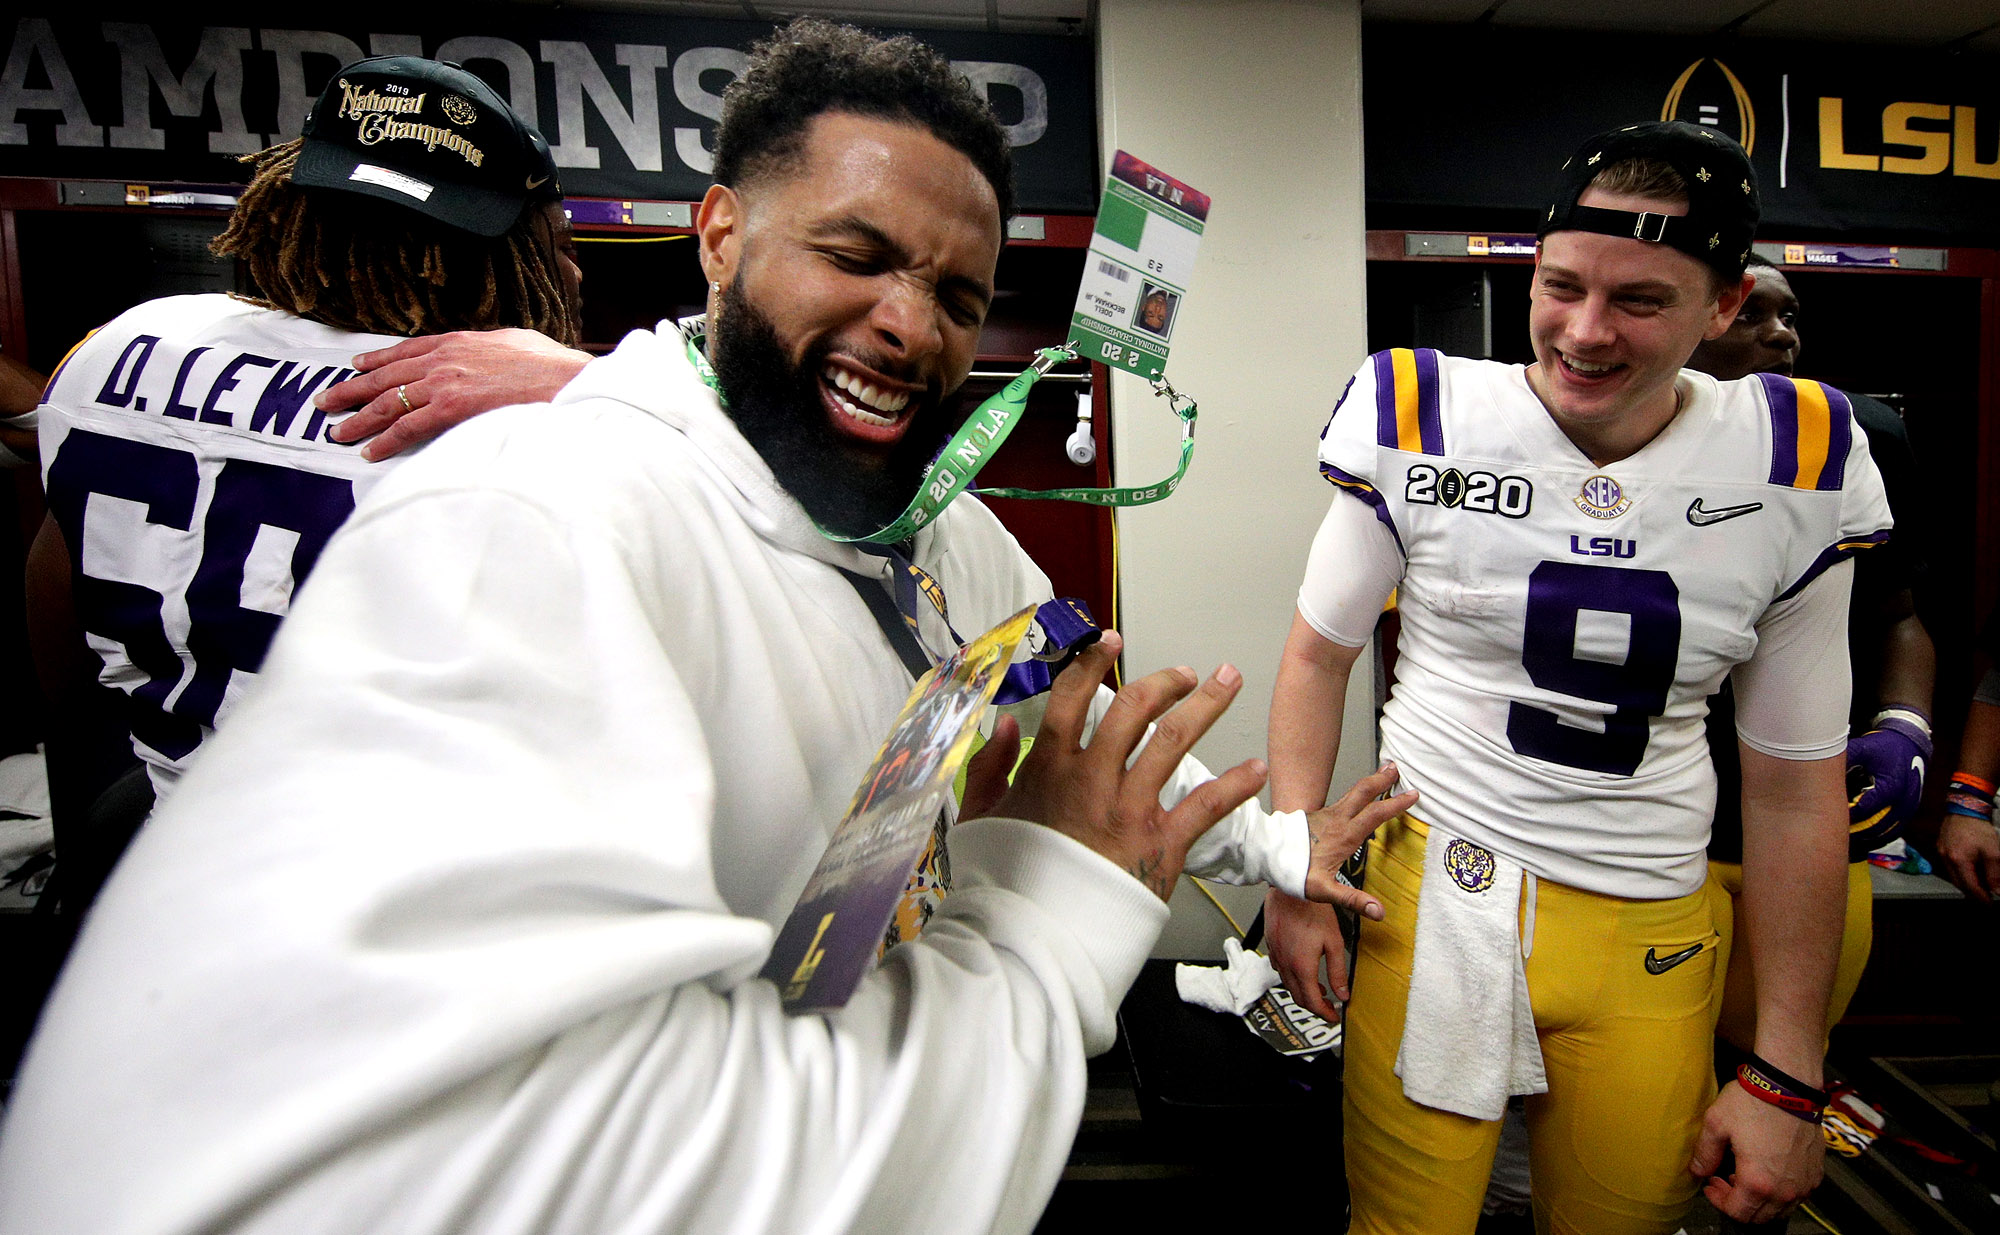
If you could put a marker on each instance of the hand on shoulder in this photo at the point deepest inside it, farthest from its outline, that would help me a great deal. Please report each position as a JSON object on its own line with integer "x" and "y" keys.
{"x": 414, "y": 391}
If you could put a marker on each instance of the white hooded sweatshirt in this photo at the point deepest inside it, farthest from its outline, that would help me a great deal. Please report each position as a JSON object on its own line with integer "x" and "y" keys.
{"x": 452, "y": 928}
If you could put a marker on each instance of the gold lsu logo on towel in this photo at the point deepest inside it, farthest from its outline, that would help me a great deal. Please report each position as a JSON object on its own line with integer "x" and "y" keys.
{"x": 1469, "y": 866}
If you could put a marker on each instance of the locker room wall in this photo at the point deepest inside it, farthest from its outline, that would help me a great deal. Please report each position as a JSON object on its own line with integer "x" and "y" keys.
{"x": 1259, "y": 105}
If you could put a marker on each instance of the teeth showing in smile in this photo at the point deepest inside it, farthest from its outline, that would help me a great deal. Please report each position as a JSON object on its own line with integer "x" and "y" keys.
{"x": 864, "y": 402}
{"x": 1586, "y": 367}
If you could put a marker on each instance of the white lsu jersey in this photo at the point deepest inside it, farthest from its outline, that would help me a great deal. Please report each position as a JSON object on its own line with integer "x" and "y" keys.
{"x": 1563, "y": 624}
{"x": 193, "y": 480}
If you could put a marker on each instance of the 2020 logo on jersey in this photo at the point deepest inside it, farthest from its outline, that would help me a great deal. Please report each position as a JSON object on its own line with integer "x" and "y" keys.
{"x": 1482, "y": 492}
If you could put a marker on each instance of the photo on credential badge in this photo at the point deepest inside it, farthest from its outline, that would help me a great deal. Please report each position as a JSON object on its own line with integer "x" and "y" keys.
{"x": 1156, "y": 310}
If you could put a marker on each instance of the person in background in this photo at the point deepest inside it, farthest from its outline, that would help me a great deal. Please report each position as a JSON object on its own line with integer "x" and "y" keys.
{"x": 1968, "y": 845}
{"x": 20, "y": 394}
{"x": 191, "y": 484}
{"x": 1893, "y": 663}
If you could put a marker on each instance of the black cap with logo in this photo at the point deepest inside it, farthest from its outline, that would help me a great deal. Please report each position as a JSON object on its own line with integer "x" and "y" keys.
{"x": 1723, "y": 207}
{"x": 429, "y": 136}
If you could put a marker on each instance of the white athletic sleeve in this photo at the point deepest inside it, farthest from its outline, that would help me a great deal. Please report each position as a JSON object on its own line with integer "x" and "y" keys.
{"x": 1248, "y": 845}
{"x": 1792, "y": 694}
{"x": 1354, "y": 565}
{"x": 25, "y": 422}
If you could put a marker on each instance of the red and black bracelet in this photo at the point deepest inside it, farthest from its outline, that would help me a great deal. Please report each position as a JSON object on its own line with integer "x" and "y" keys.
{"x": 1788, "y": 1094}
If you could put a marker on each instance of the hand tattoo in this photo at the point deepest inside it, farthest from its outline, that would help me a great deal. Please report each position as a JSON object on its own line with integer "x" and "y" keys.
{"x": 1147, "y": 870}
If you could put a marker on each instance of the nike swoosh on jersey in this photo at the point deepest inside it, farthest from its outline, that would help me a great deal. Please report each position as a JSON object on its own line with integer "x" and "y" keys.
{"x": 1657, "y": 964}
{"x": 1702, "y": 518}
{"x": 534, "y": 183}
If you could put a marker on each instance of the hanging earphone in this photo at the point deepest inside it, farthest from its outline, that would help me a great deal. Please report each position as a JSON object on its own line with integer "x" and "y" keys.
{"x": 1081, "y": 446}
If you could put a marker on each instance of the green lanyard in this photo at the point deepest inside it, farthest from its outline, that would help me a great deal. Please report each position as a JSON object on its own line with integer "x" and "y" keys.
{"x": 976, "y": 441}
{"x": 1183, "y": 407}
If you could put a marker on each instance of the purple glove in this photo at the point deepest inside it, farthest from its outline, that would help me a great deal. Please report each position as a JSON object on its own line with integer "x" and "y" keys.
{"x": 1885, "y": 775}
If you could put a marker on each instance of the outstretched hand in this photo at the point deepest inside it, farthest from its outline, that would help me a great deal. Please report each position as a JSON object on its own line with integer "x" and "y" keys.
{"x": 1087, "y": 792}
{"x": 1300, "y": 935}
{"x": 1337, "y": 830}
{"x": 415, "y": 390}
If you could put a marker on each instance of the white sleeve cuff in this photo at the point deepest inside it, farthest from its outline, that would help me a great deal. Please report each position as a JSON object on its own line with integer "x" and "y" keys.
{"x": 1252, "y": 845}
{"x": 1105, "y": 920}
{"x": 1289, "y": 853}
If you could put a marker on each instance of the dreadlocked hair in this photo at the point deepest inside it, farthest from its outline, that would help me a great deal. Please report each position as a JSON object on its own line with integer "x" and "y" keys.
{"x": 358, "y": 264}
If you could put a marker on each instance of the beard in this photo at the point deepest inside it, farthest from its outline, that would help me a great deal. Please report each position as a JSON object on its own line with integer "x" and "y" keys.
{"x": 847, "y": 487}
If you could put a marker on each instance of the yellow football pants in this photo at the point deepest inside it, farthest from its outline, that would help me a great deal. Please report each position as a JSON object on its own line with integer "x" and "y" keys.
{"x": 1627, "y": 1051}
{"x": 1739, "y": 1003}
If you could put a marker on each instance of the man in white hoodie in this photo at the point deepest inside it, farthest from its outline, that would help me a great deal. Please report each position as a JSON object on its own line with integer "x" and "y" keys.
{"x": 455, "y": 928}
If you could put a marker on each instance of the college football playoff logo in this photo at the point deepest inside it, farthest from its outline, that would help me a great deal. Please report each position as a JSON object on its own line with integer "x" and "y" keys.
{"x": 458, "y": 110}
{"x": 1708, "y": 94}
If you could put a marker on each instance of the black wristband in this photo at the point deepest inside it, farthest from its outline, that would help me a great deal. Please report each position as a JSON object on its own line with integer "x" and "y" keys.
{"x": 1787, "y": 1093}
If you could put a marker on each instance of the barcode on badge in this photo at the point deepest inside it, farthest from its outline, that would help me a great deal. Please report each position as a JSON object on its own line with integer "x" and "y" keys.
{"x": 1114, "y": 270}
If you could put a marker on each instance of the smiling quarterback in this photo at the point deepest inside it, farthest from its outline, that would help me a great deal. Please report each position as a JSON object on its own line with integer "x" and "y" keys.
{"x": 1585, "y": 548}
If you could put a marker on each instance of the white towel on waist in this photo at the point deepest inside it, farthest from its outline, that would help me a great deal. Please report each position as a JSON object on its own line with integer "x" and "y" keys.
{"x": 1468, "y": 1034}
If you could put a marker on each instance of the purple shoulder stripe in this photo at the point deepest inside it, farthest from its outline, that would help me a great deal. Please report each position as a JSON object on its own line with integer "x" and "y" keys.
{"x": 1833, "y": 554}
{"x": 1348, "y": 483}
{"x": 1385, "y": 398}
{"x": 1430, "y": 421}
{"x": 1839, "y": 438}
{"x": 1338, "y": 404}
{"x": 1784, "y": 400}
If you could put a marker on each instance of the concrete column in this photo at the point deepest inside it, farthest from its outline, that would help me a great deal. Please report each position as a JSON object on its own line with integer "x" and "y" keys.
{"x": 1257, "y": 103}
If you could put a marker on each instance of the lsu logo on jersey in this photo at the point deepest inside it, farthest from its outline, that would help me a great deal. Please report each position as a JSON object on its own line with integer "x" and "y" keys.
{"x": 1603, "y": 546}
{"x": 1483, "y": 492}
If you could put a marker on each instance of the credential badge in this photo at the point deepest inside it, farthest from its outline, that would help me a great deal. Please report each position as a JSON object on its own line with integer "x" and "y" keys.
{"x": 1602, "y": 498}
{"x": 1469, "y": 866}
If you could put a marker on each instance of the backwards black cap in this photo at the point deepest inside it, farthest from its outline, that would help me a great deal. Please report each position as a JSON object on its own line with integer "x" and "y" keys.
{"x": 429, "y": 136}
{"x": 1722, "y": 192}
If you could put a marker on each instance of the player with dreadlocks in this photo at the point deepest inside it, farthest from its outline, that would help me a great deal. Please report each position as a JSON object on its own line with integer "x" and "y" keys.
{"x": 381, "y": 268}
{"x": 191, "y": 479}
